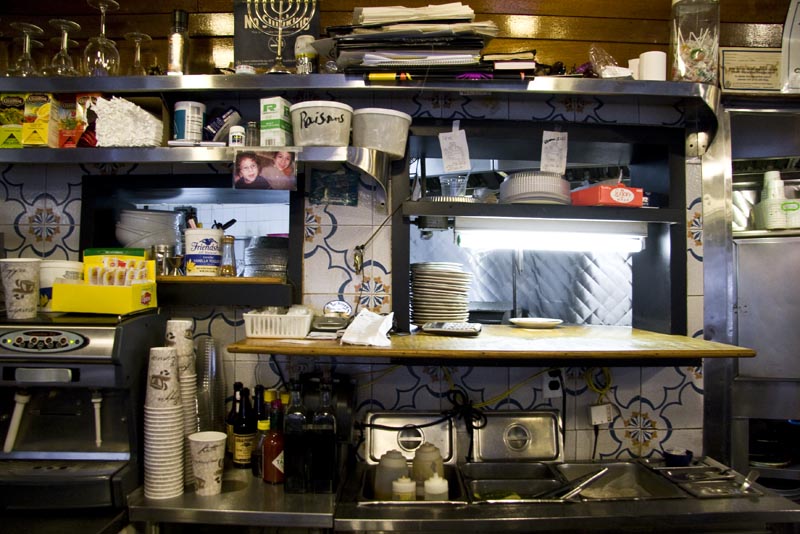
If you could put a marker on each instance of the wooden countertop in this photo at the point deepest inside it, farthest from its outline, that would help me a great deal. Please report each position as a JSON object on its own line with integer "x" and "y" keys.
{"x": 513, "y": 343}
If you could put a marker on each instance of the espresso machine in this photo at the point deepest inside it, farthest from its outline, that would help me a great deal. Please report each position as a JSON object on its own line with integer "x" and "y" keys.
{"x": 71, "y": 404}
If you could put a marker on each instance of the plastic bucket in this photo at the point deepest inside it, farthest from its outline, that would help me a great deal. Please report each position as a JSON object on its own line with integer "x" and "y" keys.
{"x": 203, "y": 253}
{"x": 49, "y": 271}
{"x": 321, "y": 123}
{"x": 381, "y": 129}
{"x": 188, "y": 121}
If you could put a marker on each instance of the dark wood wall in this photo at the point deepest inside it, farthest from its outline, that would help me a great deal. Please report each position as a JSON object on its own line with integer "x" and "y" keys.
{"x": 561, "y": 30}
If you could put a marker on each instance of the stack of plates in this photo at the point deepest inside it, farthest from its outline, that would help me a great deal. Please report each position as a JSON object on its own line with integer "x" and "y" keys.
{"x": 266, "y": 256}
{"x": 535, "y": 188}
{"x": 439, "y": 292}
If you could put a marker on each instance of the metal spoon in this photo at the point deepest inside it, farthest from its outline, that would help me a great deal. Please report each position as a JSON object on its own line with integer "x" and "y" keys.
{"x": 749, "y": 480}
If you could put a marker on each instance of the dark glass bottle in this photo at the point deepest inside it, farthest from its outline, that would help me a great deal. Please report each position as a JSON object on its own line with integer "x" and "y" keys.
{"x": 244, "y": 433}
{"x": 258, "y": 404}
{"x": 273, "y": 445}
{"x": 323, "y": 443}
{"x": 296, "y": 450}
{"x": 231, "y": 417}
{"x": 257, "y": 457}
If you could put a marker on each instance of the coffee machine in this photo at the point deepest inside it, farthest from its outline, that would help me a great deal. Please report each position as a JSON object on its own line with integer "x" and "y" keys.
{"x": 71, "y": 404}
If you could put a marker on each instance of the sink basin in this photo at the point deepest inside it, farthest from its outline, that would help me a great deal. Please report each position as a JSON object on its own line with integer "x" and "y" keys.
{"x": 455, "y": 490}
{"x": 623, "y": 481}
{"x": 509, "y": 481}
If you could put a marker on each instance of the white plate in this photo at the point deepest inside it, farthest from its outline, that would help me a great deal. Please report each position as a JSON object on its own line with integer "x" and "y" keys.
{"x": 535, "y": 322}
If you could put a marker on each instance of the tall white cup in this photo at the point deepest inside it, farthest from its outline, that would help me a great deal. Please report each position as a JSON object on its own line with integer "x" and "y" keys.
{"x": 653, "y": 65}
{"x": 21, "y": 287}
{"x": 208, "y": 460}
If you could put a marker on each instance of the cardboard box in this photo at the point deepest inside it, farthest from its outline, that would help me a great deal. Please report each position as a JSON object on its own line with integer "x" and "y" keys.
{"x": 85, "y": 298}
{"x": 67, "y": 127}
{"x": 608, "y": 195}
{"x": 85, "y": 115}
{"x": 750, "y": 69}
{"x": 12, "y": 111}
{"x": 276, "y": 122}
{"x": 255, "y": 32}
{"x": 36, "y": 120}
{"x": 97, "y": 294}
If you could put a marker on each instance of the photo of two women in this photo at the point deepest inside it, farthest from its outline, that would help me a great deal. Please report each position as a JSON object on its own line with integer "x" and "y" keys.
{"x": 261, "y": 169}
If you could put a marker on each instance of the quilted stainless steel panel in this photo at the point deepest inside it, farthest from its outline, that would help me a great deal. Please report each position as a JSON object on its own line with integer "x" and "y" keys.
{"x": 579, "y": 288}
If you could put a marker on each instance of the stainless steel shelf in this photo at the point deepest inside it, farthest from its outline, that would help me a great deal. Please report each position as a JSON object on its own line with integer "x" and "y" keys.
{"x": 548, "y": 211}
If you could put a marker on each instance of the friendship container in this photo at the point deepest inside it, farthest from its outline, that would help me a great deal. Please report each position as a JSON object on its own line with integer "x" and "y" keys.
{"x": 49, "y": 272}
{"x": 188, "y": 121}
{"x": 382, "y": 129}
{"x": 321, "y": 123}
{"x": 203, "y": 251}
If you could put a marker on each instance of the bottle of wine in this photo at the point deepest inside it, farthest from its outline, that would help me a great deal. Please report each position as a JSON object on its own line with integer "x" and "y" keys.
{"x": 229, "y": 419}
{"x": 296, "y": 445}
{"x": 273, "y": 445}
{"x": 244, "y": 433}
{"x": 323, "y": 443}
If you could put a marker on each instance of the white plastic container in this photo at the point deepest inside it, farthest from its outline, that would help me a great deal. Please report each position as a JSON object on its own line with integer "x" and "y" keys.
{"x": 381, "y": 129}
{"x": 267, "y": 325}
{"x": 436, "y": 488}
{"x": 321, "y": 123}
{"x": 404, "y": 489}
{"x": 49, "y": 271}
{"x": 203, "y": 251}
{"x": 427, "y": 461}
{"x": 391, "y": 466}
{"x": 188, "y": 121}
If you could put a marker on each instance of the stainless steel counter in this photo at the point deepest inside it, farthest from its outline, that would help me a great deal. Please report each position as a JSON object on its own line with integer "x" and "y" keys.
{"x": 244, "y": 501}
{"x": 735, "y": 514}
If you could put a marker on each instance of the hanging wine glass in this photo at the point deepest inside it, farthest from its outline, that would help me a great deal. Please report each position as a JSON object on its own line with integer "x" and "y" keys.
{"x": 136, "y": 68}
{"x": 61, "y": 64}
{"x": 25, "y": 66}
{"x": 101, "y": 57}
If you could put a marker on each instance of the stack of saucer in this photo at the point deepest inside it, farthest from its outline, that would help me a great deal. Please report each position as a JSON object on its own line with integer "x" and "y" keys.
{"x": 535, "y": 188}
{"x": 163, "y": 427}
{"x": 439, "y": 292}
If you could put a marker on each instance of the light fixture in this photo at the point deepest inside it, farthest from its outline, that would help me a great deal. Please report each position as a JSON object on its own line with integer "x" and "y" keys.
{"x": 490, "y": 233}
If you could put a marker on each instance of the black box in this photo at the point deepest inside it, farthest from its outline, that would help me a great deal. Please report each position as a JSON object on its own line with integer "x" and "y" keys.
{"x": 255, "y": 40}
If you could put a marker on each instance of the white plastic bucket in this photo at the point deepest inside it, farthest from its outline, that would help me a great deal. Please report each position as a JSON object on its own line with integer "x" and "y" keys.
{"x": 321, "y": 123}
{"x": 381, "y": 129}
{"x": 203, "y": 254}
{"x": 188, "y": 121}
{"x": 49, "y": 272}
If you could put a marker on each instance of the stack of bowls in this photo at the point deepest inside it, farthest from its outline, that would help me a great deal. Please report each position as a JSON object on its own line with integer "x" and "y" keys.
{"x": 145, "y": 228}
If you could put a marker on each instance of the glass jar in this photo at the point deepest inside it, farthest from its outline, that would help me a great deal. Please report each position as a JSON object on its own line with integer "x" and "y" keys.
{"x": 253, "y": 134}
{"x": 694, "y": 40}
{"x": 228, "y": 261}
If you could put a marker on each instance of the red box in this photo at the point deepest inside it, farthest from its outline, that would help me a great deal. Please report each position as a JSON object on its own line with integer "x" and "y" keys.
{"x": 608, "y": 195}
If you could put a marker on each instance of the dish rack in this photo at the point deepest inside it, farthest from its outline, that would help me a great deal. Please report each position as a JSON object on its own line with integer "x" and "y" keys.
{"x": 265, "y": 325}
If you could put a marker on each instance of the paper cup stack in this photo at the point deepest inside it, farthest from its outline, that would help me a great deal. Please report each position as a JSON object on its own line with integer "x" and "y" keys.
{"x": 179, "y": 335}
{"x": 163, "y": 426}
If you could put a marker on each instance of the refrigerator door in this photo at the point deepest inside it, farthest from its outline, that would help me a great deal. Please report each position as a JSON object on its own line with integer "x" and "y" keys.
{"x": 768, "y": 306}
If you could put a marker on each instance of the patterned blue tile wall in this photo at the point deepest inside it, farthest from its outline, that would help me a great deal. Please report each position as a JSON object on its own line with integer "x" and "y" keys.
{"x": 655, "y": 407}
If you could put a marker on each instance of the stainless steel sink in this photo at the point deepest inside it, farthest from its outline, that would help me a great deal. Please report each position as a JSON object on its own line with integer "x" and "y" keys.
{"x": 509, "y": 482}
{"x": 623, "y": 481}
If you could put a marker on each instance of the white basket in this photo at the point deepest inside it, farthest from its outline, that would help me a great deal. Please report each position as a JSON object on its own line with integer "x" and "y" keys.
{"x": 262, "y": 325}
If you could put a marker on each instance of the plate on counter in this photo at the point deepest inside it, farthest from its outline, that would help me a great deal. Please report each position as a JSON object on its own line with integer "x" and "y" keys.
{"x": 535, "y": 322}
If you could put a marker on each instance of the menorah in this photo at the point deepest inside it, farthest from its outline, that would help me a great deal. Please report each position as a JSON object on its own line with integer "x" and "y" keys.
{"x": 278, "y": 19}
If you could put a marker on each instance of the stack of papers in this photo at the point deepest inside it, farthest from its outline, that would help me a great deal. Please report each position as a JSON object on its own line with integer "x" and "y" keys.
{"x": 385, "y": 38}
{"x": 370, "y": 16}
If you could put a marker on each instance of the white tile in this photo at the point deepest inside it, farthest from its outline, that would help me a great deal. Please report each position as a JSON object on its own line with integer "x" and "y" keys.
{"x": 672, "y": 397}
{"x": 690, "y": 439}
{"x": 484, "y": 386}
{"x": 695, "y": 316}
{"x": 328, "y": 264}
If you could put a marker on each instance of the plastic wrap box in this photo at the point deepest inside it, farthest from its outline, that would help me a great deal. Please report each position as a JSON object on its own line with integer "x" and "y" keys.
{"x": 608, "y": 195}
